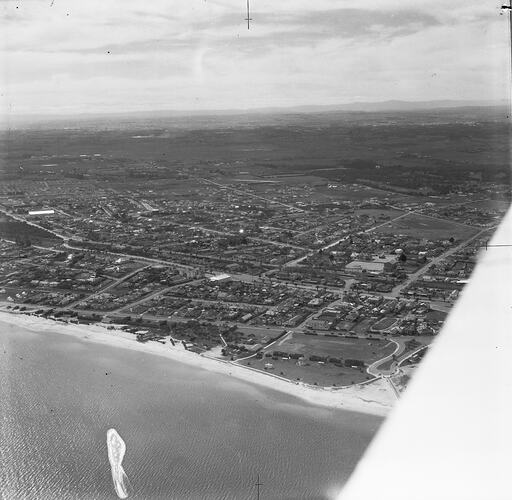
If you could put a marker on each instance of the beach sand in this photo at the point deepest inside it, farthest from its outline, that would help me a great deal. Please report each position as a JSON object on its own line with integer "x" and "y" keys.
{"x": 373, "y": 398}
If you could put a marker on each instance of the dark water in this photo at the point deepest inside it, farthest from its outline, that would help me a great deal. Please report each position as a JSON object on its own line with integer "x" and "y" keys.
{"x": 190, "y": 434}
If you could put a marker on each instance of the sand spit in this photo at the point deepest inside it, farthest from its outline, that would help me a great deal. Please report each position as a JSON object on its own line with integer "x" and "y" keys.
{"x": 373, "y": 398}
{"x": 116, "y": 448}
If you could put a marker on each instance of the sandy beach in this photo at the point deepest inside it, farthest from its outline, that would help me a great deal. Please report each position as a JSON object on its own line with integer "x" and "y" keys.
{"x": 374, "y": 398}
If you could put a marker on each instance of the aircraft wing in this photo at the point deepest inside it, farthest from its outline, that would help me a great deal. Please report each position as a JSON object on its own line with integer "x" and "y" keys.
{"x": 450, "y": 435}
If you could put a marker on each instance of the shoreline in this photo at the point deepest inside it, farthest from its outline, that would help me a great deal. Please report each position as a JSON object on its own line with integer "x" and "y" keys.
{"x": 371, "y": 398}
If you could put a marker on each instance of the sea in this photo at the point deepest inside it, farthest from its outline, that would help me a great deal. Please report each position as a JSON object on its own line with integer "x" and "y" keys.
{"x": 189, "y": 433}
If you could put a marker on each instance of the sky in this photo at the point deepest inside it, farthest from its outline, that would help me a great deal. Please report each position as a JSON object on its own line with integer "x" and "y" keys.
{"x": 76, "y": 56}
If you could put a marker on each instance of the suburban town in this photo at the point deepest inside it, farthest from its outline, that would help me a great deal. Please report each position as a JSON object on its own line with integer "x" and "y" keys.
{"x": 300, "y": 275}
{"x": 255, "y": 250}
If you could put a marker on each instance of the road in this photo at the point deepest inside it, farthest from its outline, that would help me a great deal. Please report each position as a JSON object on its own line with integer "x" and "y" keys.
{"x": 137, "y": 258}
{"x": 239, "y": 191}
{"x": 155, "y": 294}
{"x": 340, "y": 240}
{"x": 108, "y": 287}
{"x": 334, "y": 303}
{"x": 260, "y": 307}
{"x": 373, "y": 369}
{"x": 280, "y": 340}
{"x": 390, "y": 221}
{"x": 394, "y": 389}
{"x": 311, "y": 287}
{"x": 251, "y": 238}
{"x": 413, "y": 277}
{"x": 405, "y": 358}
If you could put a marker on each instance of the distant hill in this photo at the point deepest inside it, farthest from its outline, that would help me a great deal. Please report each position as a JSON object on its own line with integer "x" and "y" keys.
{"x": 257, "y": 116}
{"x": 395, "y": 105}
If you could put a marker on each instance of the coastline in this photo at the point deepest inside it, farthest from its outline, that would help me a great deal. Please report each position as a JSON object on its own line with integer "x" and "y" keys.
{"x": 371, "y": 398}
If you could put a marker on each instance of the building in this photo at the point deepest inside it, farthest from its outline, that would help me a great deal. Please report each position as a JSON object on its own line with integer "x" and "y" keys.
{"x": 41, "y": 212}
{"x": 220, "y": 277}
{"x": 378, "y": 265}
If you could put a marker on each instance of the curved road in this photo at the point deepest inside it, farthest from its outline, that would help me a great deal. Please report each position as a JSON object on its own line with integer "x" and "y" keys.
{"x": 373, "y": 369}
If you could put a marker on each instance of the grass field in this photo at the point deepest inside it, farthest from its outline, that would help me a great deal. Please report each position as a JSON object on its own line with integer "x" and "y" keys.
{"x": 13, "y": 230}
{"x": 339, "y": 347}
{"x": 490, "y": 205}
{"x": 436, "y": 316}
{"x": 362, "y": 327}
{"x": 387, "y": 364}
{"x": 260, "y": 335}
{"x": 323, "y": 375}
{"x": 419, "y": 226}
{"x": 348, "y": 192}
{"x": 377, "y": 212}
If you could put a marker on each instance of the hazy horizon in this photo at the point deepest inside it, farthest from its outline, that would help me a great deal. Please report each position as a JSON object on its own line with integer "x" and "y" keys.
{"x": 96, "y": 57}
{"x": 265, "y": 116}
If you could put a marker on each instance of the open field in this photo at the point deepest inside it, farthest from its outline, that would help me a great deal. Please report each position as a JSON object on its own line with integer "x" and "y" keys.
{"x": 260, "y": 335}
{"x": 387, "y": 365}
{"x": 378, "y": 212}
{"x": 436, "y": 316}
{"x": 25, "y": 233}
{"x": 419, "y": 226}
{"x": 343, "y": 193}
{"x": 362, "y": 327}
{"x": 317, "y": 371}
{"x": 314, "y": 373}
{"x": 489, "y": 204}
{"x": 340, "y": 347}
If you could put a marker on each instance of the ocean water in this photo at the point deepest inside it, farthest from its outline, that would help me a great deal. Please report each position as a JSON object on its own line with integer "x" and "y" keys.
{"x": 189, "y": 433}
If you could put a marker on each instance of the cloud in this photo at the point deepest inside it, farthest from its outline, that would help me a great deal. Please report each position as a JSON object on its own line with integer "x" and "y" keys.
{"x": 188, "y": 53}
